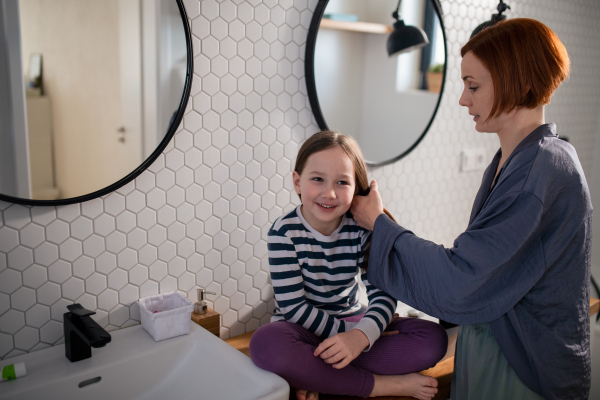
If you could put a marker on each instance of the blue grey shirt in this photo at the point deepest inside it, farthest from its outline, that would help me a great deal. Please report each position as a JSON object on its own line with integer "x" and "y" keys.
{"x": 522, "y": 265}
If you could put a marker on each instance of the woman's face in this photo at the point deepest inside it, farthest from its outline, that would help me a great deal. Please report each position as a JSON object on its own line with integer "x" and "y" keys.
{"x": 478, "y": 94}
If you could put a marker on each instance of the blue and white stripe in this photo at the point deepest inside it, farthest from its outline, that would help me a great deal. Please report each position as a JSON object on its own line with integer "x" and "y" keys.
{"x": 315, "y": 278}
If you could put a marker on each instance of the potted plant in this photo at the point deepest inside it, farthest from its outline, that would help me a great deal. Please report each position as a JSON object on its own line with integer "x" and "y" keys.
{"x": 434, "y": 78}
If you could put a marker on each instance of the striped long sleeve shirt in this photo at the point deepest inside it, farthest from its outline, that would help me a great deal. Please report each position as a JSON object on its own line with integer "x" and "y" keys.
{"x": 315, "y": 278}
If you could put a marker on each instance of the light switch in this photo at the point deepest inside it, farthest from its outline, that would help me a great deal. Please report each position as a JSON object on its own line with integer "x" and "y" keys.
{"x": 472, "y": 160}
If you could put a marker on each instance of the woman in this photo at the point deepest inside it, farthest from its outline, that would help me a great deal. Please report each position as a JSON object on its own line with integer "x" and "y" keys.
{"x": 517, "y": 279}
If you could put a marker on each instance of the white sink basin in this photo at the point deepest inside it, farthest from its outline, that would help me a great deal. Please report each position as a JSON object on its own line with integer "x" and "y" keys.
{"x": 134, "y": 366}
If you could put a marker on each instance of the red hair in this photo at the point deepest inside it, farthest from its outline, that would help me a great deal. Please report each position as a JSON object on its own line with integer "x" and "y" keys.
{"x": 526, "y": 59}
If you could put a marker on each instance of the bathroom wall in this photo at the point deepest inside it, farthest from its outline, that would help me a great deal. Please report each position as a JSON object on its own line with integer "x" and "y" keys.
{"x": 199, "y": 215}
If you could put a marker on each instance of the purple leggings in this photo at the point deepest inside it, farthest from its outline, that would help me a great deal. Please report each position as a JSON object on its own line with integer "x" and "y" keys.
{"x": 287, "y": 349}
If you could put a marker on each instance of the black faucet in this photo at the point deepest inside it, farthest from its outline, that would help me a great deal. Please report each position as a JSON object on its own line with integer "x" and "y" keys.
{"x": 82, "y": 333}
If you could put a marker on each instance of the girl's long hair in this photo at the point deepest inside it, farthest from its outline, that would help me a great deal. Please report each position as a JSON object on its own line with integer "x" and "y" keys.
{"x": 327, "y": 139}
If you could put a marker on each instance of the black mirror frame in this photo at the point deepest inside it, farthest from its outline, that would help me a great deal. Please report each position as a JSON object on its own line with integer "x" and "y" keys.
{"x": 311, "y": 88}
{"x": 158, "y": 151}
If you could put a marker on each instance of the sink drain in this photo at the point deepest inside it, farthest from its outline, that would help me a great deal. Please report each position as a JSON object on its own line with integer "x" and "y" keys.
{"x": 90, "y": 381}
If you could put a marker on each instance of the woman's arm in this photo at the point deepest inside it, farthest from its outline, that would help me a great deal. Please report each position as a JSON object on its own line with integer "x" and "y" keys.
{"x": 490, "y": 268}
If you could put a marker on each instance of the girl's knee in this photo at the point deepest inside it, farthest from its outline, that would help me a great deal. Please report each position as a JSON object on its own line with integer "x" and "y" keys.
{"x": 438, "y": 340}
{"x": 442, "y": 339}
{"x": 267, "y": 346}
{"x": 431, "y": 336}
{"x": 259, "y": 346}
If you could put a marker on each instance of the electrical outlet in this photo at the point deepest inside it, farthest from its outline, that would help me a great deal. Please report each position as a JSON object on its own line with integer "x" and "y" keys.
{"x": 472, "y": 160}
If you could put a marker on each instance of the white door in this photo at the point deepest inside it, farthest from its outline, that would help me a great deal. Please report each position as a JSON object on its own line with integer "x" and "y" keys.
{"x": 92, "y": 74}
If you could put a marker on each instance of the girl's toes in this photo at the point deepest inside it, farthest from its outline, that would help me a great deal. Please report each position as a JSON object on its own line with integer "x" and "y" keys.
{"x": 312, "y": 396}
{"x": 425, "y": 396}
{"x": 301, "y": 394}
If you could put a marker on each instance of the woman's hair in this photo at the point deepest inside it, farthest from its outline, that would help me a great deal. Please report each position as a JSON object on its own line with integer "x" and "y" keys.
{"x": 526, "y": 59}
{"x": 327, "y": 139}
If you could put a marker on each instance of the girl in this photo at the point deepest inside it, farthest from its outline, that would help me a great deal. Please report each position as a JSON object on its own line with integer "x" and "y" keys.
{"x": 320, "y": 339}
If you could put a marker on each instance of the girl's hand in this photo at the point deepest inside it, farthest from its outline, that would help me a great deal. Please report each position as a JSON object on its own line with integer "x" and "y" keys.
{"x": 366, "y": 209}
{"x": 342, "y": 348}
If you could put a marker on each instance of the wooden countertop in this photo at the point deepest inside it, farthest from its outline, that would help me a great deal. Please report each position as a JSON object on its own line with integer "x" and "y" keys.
{"x": 241, "y": 342}
{"x": 594, "y": 306}
{"x": 442, "y": 371}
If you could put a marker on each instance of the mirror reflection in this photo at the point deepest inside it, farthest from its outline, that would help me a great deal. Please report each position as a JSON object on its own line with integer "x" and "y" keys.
{"x": 93, "y": 86}
{"x": 386, "y": 103}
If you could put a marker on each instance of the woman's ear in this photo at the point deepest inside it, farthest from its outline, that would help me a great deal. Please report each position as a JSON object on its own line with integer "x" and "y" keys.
{"x": 296, "y": 178}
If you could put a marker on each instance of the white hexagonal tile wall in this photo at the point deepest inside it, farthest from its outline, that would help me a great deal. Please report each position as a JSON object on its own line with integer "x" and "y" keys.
{"x": 48, "y": 293}
{"x": 9, "y": 239}
{"x": 51, "y": 332}
{"x": 37, "y": 316}
{"x": 27, "y": 338}
{"x": 22, "y": 299}
{"x": 35, "y": 276}
{"x": 59, "y": 271}
{"x": 95, "y": 284}
{"x": 20, "y": 258}
{"x": 72, "y": 288}
{"x": 43, "y": 215}
{"x": 17, "y": 216}
{"x": 32, "y": 235}
{"x": 12, "y": 321}
{"x": 108, "y": 299}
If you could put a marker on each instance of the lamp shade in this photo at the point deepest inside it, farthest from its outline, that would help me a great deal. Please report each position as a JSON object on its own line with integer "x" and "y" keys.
{"x": 405, "y": 38}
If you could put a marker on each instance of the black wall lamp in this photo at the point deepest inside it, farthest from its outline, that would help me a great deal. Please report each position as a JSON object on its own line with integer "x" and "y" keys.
{"x": 404, "y": 37}
{"x": 495, "y": 18}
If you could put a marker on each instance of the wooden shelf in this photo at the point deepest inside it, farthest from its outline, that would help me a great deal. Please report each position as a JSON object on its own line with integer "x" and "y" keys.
{"x": 366, "y": 27}
{"x": 241, "y": 342}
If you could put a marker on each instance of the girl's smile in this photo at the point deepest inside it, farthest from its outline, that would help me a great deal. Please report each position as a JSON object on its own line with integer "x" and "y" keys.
{"x": 326, "y": 186}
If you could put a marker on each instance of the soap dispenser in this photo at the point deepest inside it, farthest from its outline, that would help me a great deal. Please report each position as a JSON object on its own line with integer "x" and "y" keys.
{"x": 200, "y": 306}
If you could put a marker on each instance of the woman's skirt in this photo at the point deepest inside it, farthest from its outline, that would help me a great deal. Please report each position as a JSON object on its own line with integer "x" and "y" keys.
{"x": 481, "y": 371}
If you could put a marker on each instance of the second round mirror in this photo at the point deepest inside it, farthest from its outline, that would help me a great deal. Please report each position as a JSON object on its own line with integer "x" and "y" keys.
{"x": 385, "y": 102}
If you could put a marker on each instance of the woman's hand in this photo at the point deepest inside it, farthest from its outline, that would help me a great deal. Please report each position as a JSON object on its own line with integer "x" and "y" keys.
{"x": 389, "y": 333}
{"x": 342, "y": 348}
{"x": 366, "y": 209}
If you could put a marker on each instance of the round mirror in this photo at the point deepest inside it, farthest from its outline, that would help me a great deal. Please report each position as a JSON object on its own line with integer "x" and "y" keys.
{"x": 91, "y": 93}
{"x": 387, "y": 103}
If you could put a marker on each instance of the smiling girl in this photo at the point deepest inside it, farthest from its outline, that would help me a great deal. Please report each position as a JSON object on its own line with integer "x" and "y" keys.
{"x": 321, "y": 340}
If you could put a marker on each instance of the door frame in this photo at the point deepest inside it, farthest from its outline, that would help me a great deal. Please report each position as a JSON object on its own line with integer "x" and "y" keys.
{"x": 14, "y": 114}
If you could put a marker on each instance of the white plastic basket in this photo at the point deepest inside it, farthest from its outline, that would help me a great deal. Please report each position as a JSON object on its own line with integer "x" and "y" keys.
{"x": 166, "y": 315}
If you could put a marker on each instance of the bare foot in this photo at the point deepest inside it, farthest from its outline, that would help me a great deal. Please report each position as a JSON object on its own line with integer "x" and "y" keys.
{"x": 415, "y": 385}
{"x": 302, "y": 394}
